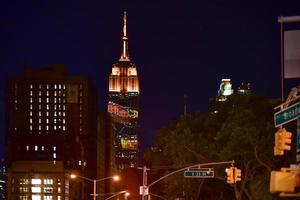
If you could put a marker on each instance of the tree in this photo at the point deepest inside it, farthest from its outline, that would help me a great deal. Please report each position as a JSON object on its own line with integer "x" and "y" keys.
{"x": 241, "y": 130}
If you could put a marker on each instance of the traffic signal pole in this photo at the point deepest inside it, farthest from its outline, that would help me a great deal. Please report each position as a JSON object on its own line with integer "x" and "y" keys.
{"x": 146, "y": 187}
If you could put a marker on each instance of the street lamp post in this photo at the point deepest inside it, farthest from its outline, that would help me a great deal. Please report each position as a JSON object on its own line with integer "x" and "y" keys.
{"x": 94, "y": 181}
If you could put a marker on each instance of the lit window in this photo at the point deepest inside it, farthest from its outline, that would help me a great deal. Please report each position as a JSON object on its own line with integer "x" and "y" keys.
{"x": 27, "y": 148}
{"x": 58, "y": 197}
{"x": 47, "y": 128}
{"x": 58, "y": 190}
{"x": 36, "y": 197}
{"x": 55, "y": 86}
{"x": 23, "y": 181}
{"x": 30, "y": 127}
{"x": 54, "y": 120}
{"x": 47, "y": 86}
{"x": 30, "y": 106}
{"x": 54, "y": 107}
{"x": 47, "y": 106}
{"x": 64, "y": 107}
{"x": 55, "y": 93}
{"x": 54, "y": 148}
{"x": 40, "y": 100}
{"x": 54, "y": 100}
{"x": 64, "y": 114}
{"x": 36, "y": 189}
{"x": 64, "y": 121}
{"x": 47, "y": 114}
{"x": 59, "y": 100}
{"x": 40, "y": 120}
{"x": 30, "y": 100}
{"x": 54, "y": 155}
{"x": 79, "y": 162}
{"x": 35, "y": 147}
{"x": 40, "y": 127}
{"x": 36, "y": 181}
{"x": 64, "y": 128}
{"x": 47, "y": 100}
{"x": 40, "y": 113}
{"x": 40, "y": 86}
{"x": 47, "y": 197}
{"x": 31, "y": 86}
{"x": 55, "y": 114}
{"x": 64, "y": 86}
{"x": 47, "y": 93}
{"x": 84, "y": 163}
{"x": 30, "y": 120}
{"x": 40, "y": 93}
{"x": 40, "y": 107}
{"x": 43, "y": 148}
{"x": 48, "y": 181}
{"x": 47, "y": 120}
{"x": 48, "y": 190}
{"x": 54, "y": 127}
{"x": 59, "y": 86}
{"x": 23, "y": 189}
{"x": 80, "y": 93}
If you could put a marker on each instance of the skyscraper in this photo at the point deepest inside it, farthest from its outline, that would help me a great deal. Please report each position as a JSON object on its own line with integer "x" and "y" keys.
{"x": 123, "y": 106}
{"x": 51, "y": 132}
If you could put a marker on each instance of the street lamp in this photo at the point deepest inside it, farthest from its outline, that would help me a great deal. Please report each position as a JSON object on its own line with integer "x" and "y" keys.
{"x": 118, "y": 193}
{"x": 94, "y": 181}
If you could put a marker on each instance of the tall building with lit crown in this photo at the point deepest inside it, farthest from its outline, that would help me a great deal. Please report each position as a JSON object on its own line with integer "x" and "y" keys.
{"x": 123, "y": 106}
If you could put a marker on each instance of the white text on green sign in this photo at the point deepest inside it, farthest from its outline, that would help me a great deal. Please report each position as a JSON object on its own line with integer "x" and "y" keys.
{"x": 199, "y": 173}
{"x": 289, "y": 114}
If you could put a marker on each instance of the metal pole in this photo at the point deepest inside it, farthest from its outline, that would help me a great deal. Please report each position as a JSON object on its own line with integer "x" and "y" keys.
{"x": 144, "y": 181}
{"x": 94, "y": 184}
{"x": 282, "y": 61}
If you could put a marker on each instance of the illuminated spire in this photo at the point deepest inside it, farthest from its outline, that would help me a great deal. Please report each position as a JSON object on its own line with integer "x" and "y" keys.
{"x": 124, "y": 53}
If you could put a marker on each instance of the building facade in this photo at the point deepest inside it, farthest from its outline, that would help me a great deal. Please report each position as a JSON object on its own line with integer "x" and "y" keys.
{"x": 123, "y": 106}
{"x": 51, "y": 132}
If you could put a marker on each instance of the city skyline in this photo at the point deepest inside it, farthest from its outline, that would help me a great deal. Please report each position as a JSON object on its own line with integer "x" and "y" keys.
{"x": 179, "y": 48}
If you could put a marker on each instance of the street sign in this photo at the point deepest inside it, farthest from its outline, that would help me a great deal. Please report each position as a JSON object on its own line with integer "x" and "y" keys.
{"x": 287, "y": 115}
{"x": 199, "y": 173}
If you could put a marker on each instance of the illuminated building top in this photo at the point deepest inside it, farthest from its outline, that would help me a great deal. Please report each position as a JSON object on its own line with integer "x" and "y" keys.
{"x": 225, "y": 89}
{"x": 124, "y": 53}
{"x": 124, "y": 77}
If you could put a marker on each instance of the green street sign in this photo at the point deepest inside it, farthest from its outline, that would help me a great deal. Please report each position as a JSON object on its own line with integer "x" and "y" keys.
{"x": 287, "y": 115}
{"x": 199, "y": 173}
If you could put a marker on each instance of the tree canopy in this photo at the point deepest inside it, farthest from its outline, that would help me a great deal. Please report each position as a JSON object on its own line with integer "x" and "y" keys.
{"x": 241, "y": 129}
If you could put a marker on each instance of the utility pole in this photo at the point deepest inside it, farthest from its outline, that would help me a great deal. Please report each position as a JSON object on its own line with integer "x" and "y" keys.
{"x": 144, "y": 186}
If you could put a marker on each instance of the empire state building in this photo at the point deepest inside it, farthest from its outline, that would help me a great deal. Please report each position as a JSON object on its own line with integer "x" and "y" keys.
{"x": 123, "y": 106}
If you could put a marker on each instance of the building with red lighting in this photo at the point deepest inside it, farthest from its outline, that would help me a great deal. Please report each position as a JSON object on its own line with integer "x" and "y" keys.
{"x": 123, "y": 106}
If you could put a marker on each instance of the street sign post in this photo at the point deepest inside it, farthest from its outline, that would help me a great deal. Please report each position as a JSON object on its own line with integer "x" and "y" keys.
{"x": 199, "y": 173}
{"x": 289, "y": 114}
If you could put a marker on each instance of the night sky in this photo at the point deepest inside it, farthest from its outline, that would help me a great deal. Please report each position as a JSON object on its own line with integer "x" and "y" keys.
{"x": 179, "y": 47}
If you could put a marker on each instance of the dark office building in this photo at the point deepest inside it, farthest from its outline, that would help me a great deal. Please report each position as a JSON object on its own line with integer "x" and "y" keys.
{"x": 51, "y": 132}
{"x": 123, "y": 106}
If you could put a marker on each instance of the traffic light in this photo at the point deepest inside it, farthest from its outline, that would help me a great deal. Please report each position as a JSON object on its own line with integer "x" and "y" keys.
{"x": 237, "y": 174}
{"x": 229, "y": 175}
{"x": 282, "y": 141}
